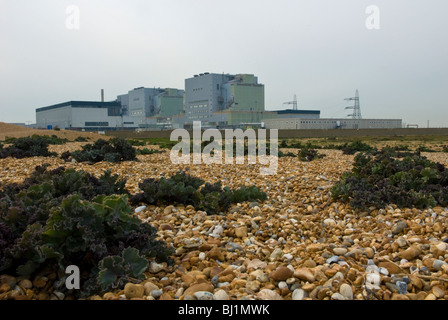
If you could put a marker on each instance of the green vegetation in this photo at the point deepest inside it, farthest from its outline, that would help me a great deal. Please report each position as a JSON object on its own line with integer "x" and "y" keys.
{"x": 65, "y": 217}
{"x": 35, "y": 146}
{"x": 381, "y": 179}
{"x": 81, "y": 139}
{"x": 53, "y": 139}
{"x": 146, "y": 151}
{"x": 136, "y": 142}
{"x": 356, "y": 146}
{"x": 114, "y": 150}
{"x": 307, "y": 153}
{"x": 185, "y": 189}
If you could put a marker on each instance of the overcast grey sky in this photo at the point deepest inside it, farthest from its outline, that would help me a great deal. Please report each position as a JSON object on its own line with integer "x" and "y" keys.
{"x": 320, "y": 50}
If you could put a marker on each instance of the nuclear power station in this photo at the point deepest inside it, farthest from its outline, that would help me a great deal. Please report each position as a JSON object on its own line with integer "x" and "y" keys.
{"x": 216, "y": 100}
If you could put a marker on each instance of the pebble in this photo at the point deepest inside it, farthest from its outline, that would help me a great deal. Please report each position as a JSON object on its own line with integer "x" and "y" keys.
{"x": 373, "y": 281}
{"x": 304, "y": 274}
{"x": 199, "y": 287}
{"x": 203, "y": 295}
{"x": 402, "y": 287}
{"x": 298, "y": 294}
{"x": 391, "y": 267}
{"x": 268, "y": 294}
{"x": 256, "y": 264}
{"x": 438, "y": 264}
{"x": 139, "y": 209}
{"x": 221, "y": 295}
{"x": 332, "y": 259}
{"x": 347, "y": 291}
{"x": 241, "y": 232}
{"x": 281, "y": 273}
{"x": 232, "y": 247}
{"x": 262, "y": 277}
{"x": 149, "y": 286}
{"x": 26, "y": 284}
{"x": 340, "y": 251}
{"x": 132, "y": 290}
{"x": 398, "y": 227}
{"x": 338, "y": 296}
{"x": 282, "y": 285}
{"x": 156, "y": 267}
{"x": 156, "y": 293}
{"x": 410, "y": 253}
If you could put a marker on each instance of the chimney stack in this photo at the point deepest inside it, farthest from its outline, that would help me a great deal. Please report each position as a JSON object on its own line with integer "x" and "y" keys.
{"x": 102, "y": 95}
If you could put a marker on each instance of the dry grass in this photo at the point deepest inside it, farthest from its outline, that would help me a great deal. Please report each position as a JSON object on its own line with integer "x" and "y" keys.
{"x": 15, "y": 131}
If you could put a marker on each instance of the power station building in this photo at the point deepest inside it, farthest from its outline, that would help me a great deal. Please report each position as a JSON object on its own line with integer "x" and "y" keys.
{"x": 217, "y": 100}
{"x": 88, "y": 115}
{"x": 331, "y": 123}
{"x": 211, "y": 97}
{"x": 143, "y": 103}
{"x": 129, "y": 111}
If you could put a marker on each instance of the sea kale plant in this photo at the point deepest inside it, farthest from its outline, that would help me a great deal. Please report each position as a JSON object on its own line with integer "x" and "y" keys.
{"x": 63, "y": 217}
{"x": 35, "y": 146}
{"x": 383, "y": 179}
{"x": 186, "y": 189}
{"x": 356, "y": 146}
{"x": 113, "y": 150}
{"x": 307, "y": 153}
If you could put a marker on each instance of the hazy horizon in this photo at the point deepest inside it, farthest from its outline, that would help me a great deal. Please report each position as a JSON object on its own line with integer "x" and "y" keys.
{"x": 322, "y": 51}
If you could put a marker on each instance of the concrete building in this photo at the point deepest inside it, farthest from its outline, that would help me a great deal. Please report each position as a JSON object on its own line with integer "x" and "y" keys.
{"x": 330, "y": 123}
{"x": 209, "y": 93}
{"x": 143, "y": 103}
{"x": 89, "y": 115}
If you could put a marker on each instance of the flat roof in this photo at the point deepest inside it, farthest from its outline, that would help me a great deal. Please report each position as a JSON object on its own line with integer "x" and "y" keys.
{"x": 291, "y": 111}
{"x": 81, "y": 104}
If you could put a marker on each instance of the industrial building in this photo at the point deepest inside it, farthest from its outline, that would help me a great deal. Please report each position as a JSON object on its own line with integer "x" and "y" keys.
{"x": 354, "y": 122}
{"x": 88, "y": 115}
{"x": 331, "y": 123}
{"x": 129, "y": 111}
{"x": 210, "y": 93}
{"x": 217, "y": 100}
{"x": 143, "y": 103}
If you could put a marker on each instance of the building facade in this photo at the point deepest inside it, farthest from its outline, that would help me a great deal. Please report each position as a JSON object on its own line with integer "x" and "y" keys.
{"x": 331, "y": 123}
{"x": 89, "y": 115}
{"x": 210, "y": 93}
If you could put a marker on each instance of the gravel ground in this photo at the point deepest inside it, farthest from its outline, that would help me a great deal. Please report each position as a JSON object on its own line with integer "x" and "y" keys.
{"x": 298, "y": 244}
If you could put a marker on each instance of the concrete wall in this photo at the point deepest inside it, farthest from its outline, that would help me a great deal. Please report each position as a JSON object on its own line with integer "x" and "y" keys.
{"x": 68, "y": 117}
{"x": 247, "y": 97}
{"x": 206, "y": 94}
{"x": 60, "y": 117}
{"x": 202, "y": 96}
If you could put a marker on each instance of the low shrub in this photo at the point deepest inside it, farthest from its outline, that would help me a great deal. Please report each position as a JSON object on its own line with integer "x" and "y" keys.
{"x": 383, "y": 179}
{"x": 356, "y": 146}
{"x": 185, "y": 189}
{"x": 308, "y": 154}
{"x": 146, "y": 151}
{"x": 114, "y": 150}
{"x": 65, "y": 217}
{"x": 136, "y": 142}
{"x": 35, "y": 146}
{"x": 81, "y": 139}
